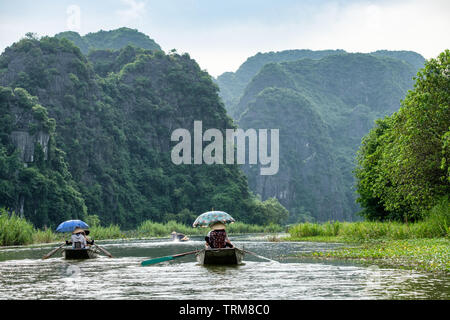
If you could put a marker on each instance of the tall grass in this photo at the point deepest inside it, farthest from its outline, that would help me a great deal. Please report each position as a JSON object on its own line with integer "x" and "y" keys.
{"x": 18, "y": 231}
{"x": 156, "y": 229}
{"x": 435, "y": 225}
{"x": 103, "y": 233}
{"x": 14, "y": 230}
{"x": 46, "y": 236}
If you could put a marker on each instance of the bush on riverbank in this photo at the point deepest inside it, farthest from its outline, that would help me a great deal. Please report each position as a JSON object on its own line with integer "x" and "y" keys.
{"x": 14, "y": 230}
{"x": 46, "y": 236}
{"x": 103, "y": 233}
{"x": 435, "y": 225}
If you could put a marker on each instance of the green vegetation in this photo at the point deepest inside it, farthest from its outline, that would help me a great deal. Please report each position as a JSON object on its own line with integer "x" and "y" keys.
{"x": 93, "y": 137}
{"x": 14, "y": 230}
{"x": 232, "y": 84}
{"x": 403, "y": 184}
{"x": 432, "y": 255}
{"x": 18, "y": 231}
{"x": 44, "y": 187}
{"x": 404, "y": 161}
{"x": 436, "y": 225}
{"x": 111, "y": 40}
{"x": 322, "y": 108}
{"x": 422, "y": 245}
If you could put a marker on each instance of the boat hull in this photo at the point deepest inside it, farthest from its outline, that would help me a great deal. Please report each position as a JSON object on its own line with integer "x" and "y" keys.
{"x": 79, "y": 254}
{"x": 225, "y": 256}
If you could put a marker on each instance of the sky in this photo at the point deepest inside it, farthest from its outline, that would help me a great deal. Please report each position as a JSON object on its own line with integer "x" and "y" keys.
{"x": 221, "y": 35}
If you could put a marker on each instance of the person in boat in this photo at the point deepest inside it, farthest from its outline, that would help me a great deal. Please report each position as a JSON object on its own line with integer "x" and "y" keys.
{"x": 217, "y": 237}
{"x": 179, "y": 236}
{"x": 79, "y": 239}
{"x": 88, "y": 239}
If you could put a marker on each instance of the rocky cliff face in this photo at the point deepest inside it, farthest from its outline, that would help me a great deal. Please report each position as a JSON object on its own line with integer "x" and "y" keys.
{"x": 114, "y": 130}
{"x": 322, "y": 108}
{"x": 25, "y": 143}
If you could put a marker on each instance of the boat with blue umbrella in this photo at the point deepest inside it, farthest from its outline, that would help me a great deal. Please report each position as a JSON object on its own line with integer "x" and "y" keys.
{"x": 79, "y": 249}
{"x": 77, "y": 252}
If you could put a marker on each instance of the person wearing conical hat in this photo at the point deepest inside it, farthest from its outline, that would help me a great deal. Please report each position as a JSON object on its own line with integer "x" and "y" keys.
{"x": 217, "y": 237}
{"x": 78, "y": 239}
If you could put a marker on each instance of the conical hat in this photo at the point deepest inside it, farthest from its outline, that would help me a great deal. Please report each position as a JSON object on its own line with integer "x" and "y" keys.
{"x": 77, "y": 230}
{"x": 218, "y": 226}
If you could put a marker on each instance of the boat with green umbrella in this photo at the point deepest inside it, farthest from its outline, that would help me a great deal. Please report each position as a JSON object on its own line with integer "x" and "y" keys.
{"x": 211, "y": 255}
{"x": 219, "y": 250}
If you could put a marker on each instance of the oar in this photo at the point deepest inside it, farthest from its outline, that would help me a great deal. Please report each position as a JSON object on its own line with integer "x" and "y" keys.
{"x": 162, "y": 259}
{"x": 104, "y": 251}
{"x": 48, "y": 255}
{"x": 257, "y": 255}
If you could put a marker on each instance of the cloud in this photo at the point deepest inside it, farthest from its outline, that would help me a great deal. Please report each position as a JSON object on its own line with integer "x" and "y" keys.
{"x": 355, "y": 26}
{"x": 135, "y": 11}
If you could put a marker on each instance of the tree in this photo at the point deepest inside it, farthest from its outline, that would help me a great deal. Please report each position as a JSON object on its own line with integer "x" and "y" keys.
{"x": 403, "y": 166}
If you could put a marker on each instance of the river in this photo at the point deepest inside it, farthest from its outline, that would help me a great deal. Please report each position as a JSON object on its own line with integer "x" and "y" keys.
{"x": 24, "y": 275}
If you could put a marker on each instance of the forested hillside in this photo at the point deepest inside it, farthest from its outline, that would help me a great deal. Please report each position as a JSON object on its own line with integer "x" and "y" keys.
{"x": 93, "y": 136}
{"x": 232, "y": 84}
{"x": 323, "y": 108}
{"x": 110, "y": 40}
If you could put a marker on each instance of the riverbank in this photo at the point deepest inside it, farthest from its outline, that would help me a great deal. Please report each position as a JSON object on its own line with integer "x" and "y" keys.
{"x": 431, "y": 255}
{"x": 423, "y": 245}
{"x": 18, "y": 231}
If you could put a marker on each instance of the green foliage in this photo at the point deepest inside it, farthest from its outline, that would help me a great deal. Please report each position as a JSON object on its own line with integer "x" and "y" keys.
{"x": 102, "y": 233}
{"x": 432, "y": 255}
{"x": 46, "y": 236}
{"x": 403, "y": 162}
{"x": 14, "y": 230}
{"x": 114, "y": 39}
{"x": 155, "y": 229}
{"x": 109, "y": 122}
{"x": 322, "y": 107}
{"x": 271, "y": 212}
{"x": 44, "y": 186}
{"x": 435, "y": 225}
{"x": 92, "y": 220}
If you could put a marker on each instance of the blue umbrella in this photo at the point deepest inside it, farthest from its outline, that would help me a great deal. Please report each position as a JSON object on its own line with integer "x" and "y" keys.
{"x": 70, "y": 225}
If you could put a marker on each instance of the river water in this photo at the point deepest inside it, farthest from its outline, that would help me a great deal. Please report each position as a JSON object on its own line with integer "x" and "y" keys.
{"x": 24, "y": 275}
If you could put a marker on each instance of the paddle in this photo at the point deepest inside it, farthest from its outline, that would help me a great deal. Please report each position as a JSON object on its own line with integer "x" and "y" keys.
{"x": 257, "y": 255}
{"x": 167, "y": 258}
{"x": 104, "y": 251}
{"x": 48, "y": 255}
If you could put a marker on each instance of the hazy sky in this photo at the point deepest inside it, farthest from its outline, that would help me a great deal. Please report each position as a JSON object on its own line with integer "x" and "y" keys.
{"x": 221, "y": 35}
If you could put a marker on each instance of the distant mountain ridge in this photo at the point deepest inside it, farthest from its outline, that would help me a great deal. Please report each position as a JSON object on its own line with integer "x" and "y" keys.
{"x": 91, "y": 134}
{"x": 110, "y": 40}
{"x": 322, "y": 107}
{"x": 232, "y": 84}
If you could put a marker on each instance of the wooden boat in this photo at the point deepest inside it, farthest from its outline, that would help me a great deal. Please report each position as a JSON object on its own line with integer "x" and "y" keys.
{"x": 77, "y": 254}
{"x": 225, "y": 256}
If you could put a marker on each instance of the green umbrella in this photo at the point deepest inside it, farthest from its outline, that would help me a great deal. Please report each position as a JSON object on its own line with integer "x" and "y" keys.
{"x": 207, "y": 219}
